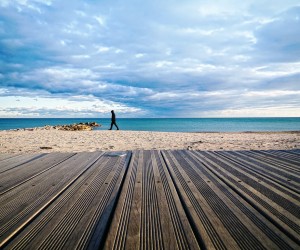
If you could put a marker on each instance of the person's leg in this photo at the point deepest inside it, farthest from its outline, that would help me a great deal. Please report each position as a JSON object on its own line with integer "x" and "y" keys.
{"x": 111, "y": 125}
{"x": 117, "y": 126}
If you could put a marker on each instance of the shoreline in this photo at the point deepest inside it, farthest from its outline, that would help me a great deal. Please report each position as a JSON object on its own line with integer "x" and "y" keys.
{"x": 46, "y": 141}
{"x": 193, "y": 125}
{"x": 56, "y": 128}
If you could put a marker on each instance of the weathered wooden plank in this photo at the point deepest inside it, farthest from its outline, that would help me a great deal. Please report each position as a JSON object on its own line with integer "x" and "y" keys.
{"x": 5, "y": 156}
{"x": 16, "y": 176}
{"x": 279, "y": 207}
{"x": 293, "y": 151}
{"x": 286, "y": 178}
{"x": 20, "y": 205}
{"x": 105, "y": 212}
{"x": 78, "y": 217}
{"x": 212, "y": 200}
{"x": 228, "y": 220}
{"x": 207, "y": 226}
{"x": 272, "y": 159}
{"x": 292, "y": 156}
{"x": 17, "y": 161}
{"x": 283, "y": 163}
{"x": 279, "y": 194}
{"x": 149, "y": 214}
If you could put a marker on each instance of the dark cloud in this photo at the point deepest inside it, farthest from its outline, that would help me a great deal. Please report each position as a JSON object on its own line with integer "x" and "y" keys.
{"x": 158, "y": 57}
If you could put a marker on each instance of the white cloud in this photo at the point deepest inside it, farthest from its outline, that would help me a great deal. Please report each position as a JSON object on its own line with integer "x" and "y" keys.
{"x": 199, "y": 31}
{"x": 280, "y": 111}
{"x": 31, "y": 4}
{"x": 62, "y": 74}
{"x": 80, "y": 57}
{"x": 75, "y": 106}
{"x": 272, "y": 93}
{"x": 155, "y": 55}
{"x": 139, "y": 55}
{"x": 80, "y": 13}
{"x": 118, "y": 51}
{"x": 101, "y": 20}
{"x": 101, "y": 49}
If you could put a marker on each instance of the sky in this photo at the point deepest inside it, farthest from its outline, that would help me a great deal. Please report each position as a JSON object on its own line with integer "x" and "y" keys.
{"x": 150, "y": 58}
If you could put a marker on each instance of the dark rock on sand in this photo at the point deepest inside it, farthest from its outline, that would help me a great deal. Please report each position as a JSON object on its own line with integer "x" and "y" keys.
{"x": 75, "y": 127}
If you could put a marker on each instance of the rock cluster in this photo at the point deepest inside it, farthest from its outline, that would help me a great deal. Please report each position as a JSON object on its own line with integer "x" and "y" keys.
{"x": 74, "y": 127}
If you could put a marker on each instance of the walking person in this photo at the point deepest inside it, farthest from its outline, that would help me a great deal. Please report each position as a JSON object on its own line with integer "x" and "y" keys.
{"x": 113, "y": 120}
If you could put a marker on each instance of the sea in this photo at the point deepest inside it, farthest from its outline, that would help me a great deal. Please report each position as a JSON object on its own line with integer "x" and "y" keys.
{"x": 166, "y": 124}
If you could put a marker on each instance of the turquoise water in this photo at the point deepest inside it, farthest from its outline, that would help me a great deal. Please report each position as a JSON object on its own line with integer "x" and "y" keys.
{"x": 167, "y": 124}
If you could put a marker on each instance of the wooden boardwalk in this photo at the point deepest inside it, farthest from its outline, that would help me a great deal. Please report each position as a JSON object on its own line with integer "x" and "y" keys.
{"x": 151, "y": 200}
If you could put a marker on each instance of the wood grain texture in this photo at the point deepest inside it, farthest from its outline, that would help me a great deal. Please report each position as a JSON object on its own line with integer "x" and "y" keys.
{"x": 149, "y": 214}
{"x": 153, "y": 199}
{"x": 226, "y": 217}
{"x": 17, "y": 161}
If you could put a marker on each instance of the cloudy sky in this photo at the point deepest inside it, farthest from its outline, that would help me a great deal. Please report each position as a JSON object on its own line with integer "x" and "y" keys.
{"x": 150, "y": 58}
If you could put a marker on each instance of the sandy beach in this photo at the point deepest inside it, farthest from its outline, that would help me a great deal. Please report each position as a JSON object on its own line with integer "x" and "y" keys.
{"x": 36, "y": 141}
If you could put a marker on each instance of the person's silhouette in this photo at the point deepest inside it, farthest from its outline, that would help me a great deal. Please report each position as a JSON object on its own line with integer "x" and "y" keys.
{"x": 113, "y": 120}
